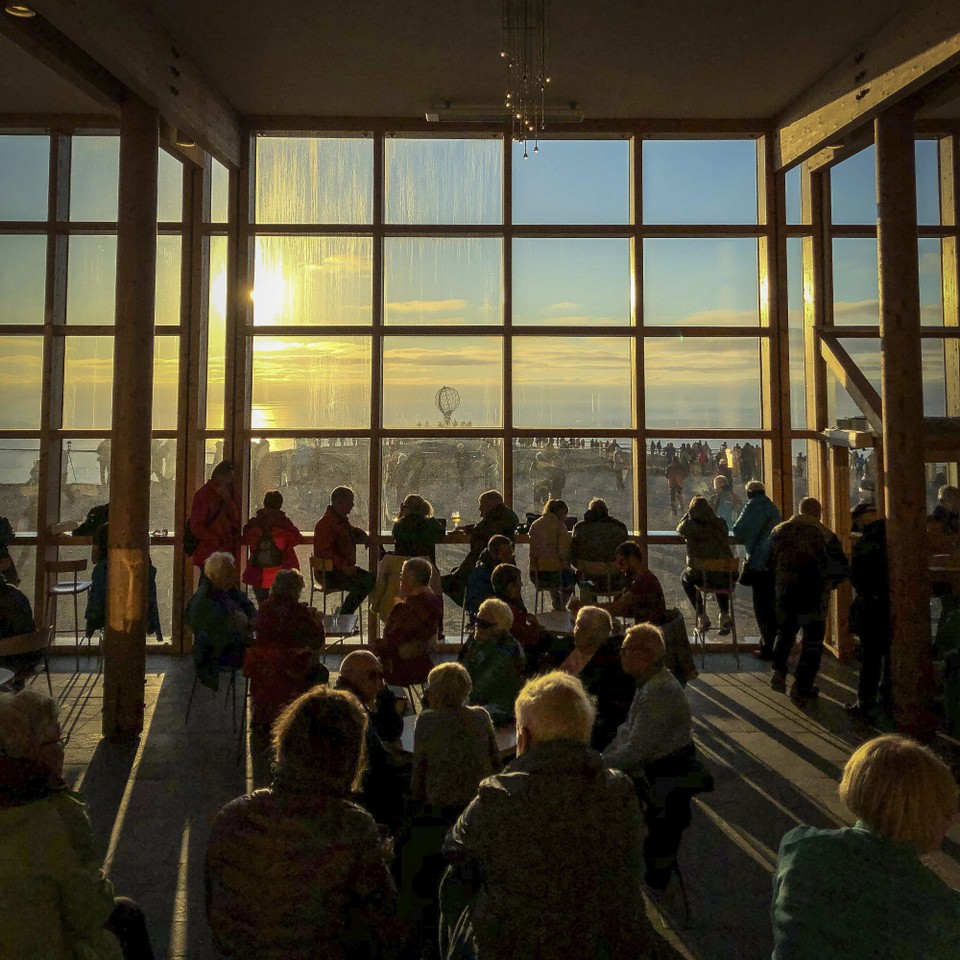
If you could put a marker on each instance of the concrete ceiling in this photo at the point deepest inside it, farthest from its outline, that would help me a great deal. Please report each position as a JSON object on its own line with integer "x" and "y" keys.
{"x": 613, "y": 58}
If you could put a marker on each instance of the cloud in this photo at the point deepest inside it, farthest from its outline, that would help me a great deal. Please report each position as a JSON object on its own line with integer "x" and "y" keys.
{"x": 856, "y": 309}
{"x": 556, "y": 309}
{"x": 425, "y": 306}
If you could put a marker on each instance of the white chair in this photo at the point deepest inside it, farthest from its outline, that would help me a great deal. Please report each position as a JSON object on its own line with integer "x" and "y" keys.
{"x": 724, "y": 572}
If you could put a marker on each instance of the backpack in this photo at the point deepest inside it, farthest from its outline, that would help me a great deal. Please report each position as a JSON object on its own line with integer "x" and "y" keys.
{"x": 266, "y": 553}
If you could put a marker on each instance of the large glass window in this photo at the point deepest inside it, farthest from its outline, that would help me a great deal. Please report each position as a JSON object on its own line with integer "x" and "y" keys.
{"x": 25, "y": 163}
{"x": 23, "y": 270}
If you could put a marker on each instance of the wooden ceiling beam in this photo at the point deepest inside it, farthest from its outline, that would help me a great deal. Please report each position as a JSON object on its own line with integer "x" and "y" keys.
{"x": 853, "y": 143}
{"x": 851, "y": 378}
{"x": 914, "y": 48}
{"x": 129, "y": 44}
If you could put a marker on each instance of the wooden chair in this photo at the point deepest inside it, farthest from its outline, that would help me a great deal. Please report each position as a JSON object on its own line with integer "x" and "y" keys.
{"x": 226, "y": 668}
{"x": 601, "y": 573}
{"x": 39, "y": 640}
{"x": 71, "y": 587}
{"x": 724, "y": 569}
{"x": 320, "y": 567}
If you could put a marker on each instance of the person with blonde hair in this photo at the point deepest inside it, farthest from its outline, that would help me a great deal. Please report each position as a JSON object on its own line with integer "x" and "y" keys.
{"x": 56, "y": 902}
{"x": 550, "y": 553}
{"x": 862, "y": 892}
{"x": 333, "y": 896}
{"x": 494, "y": 660}
{"x": 549, "y": 891}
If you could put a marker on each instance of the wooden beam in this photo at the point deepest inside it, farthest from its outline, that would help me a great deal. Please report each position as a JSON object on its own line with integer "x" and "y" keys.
{"x": 852, "y": 380}
{"x": 912, "y": 49}
{"x": 902, "y": 380}
{"x": 836, "y": 153}
{"x": 131, "y": 45}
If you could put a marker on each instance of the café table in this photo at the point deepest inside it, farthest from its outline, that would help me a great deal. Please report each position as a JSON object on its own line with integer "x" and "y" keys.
{"x": 506, "y": 737}
{"x": 339, "y": 625}
{"x": 5, "y": 676}
{"x": 559, "y": 622}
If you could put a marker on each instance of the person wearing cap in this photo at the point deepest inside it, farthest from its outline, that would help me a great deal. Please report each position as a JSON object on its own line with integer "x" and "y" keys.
{"x": 753, "y": 529}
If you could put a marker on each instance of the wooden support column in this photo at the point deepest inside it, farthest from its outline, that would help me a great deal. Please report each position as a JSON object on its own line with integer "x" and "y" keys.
{"x": 125, "y": 636}
{"x": 902, "y": 382}
{"x": 837, "y": 517}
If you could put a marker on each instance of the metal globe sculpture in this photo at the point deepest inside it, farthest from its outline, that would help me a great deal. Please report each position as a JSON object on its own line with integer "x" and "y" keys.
{"x": 447, "y": 401}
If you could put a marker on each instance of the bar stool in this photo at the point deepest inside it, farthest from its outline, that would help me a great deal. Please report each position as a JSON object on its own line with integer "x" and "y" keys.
{"x": 601, "y": 573}
{"x": 57, "y": 588}
{"x": 725, "y": 572}
{"x": 320, "y": 567}
{"x": 540, "y": 588}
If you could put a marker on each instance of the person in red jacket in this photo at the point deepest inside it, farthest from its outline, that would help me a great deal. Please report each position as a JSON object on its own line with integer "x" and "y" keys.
{"x": 272, "y": 538}
{"x": 214, "y": 516}
{"x": 336, "y": 539}
{"x": 412, "y": 627}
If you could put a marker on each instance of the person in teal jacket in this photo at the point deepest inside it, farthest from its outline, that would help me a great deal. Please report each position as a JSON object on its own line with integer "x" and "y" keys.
{"x": 752, "y": 529}
{"x": 55, "y": 902}
{"x": 862, "y": 892}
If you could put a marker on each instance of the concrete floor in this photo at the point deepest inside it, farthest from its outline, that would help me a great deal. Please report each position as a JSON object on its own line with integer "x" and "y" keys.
{"x": 152, "y": 802}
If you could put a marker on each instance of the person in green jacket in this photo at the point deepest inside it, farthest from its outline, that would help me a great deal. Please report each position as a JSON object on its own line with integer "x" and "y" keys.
{"x": 862, "y": 892}
{"x": 55, "y": 902}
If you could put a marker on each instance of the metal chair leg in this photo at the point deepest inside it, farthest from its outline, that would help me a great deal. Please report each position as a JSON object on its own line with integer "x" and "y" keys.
{"x": 243, "y": 718}
{"x": 193, "y": 690}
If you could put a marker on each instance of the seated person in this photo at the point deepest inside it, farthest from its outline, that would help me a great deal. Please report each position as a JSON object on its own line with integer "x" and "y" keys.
{"x": 494, "y": 660}
{"x": 336, "y": 539}
{"x": 595, "y": 660}
{"x": 96, "y": 612}
{"x": 412, "y": 629}
{"x": 384, "y": 782}
{"x": 595, "y": 540}
{"x": 707, "y": 539}
{"x": 654, "y": 746}
{"x": 282, "y": 661}
{"x": 641, "y": 600}
{"x": 418, "y": 531}
{"x": 56, "y": 900}
{"x": 507, "y": 583}
{"x": 548, "y": 891}
{"x": 221, "y": 618}
{"x": 862, "y": 892}
{"x": 272, "y": 538}
{"x": 454, "y": 745}
{"x": 16, "y": 619}
{"x": 550, "y": 553}
{"x": 330, "y": 892}
{"x": 499, "y": 550}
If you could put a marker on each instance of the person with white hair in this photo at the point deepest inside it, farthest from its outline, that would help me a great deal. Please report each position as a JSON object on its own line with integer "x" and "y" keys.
{"x": 494, "y": 660}
{"x": 548, "y": 891}
{"x": 56, "y": 903}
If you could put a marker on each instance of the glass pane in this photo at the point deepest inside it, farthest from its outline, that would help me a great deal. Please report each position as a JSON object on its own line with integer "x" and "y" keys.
{"x": 21, "y": 359}
{"x": 938, "y": 475}
{"x": 87, "y": 383}
{"x": 444, "y": 181}
{"x": 441, "y": 381}
{"x": 219, "y": 192}
{"x": 693, "y": 382}
{"x": 703, "y": 461}
{"x": 853, "y": 188}
{"x": 931, "y": 283}
{"x": 798, "y": 396}
{"x": 163, "y": 484}
{"x": 162, "y": 558}
{"x": 85, "y": 467}
{"x": 166, "y": 384}
{"x": 305, "y": 471}
{"x": 928, "y": 182}
{"x": 573, "y": 382}
{"x": 572, "y": 282}
{"x": 216, "y": 332}
{"x": 576, "y": 470}
{"x": 92, "y": 280}
{"x": 865, "y": 353}
{"x": 169, "y": 188}
{"x": 314, "y": 180}
{"x": 699, "y": 181}
{"x": 450, "y": 472}
{"x": 793, "y": 201}
{"x": 94, "y": 178}
{"x": 19, "y": 474}
{"x": 430, "y": 281}
{"x": 856, "y": 296}
{"x": 700, "y": 282}
{"x": 801, "y": 472}
{"x": 24, "y": 177}
{"x": 312, "y": 280}
{"x": 212, "y": 455}
{"x": 23, "y": 263}
{"x": 934, "y": 387}
{"x": 310, "y": 382}
{"x": 168, "y": 280}
{"x": 573, "y": 181}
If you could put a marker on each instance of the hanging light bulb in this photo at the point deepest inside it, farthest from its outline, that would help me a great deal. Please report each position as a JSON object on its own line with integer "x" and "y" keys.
{"x": 524, "y": 47}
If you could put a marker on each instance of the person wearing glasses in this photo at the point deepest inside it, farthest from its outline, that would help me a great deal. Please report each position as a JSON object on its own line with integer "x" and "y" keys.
{"x": 383, "y": 784}
{"x": 56, "y": 902}
{"x": 494, "y": 660}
